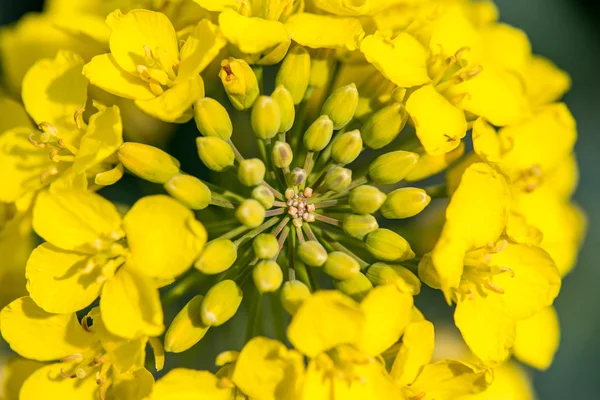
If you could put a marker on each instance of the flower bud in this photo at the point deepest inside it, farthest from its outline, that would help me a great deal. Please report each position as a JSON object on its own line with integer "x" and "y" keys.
{"x": 390, "y": 168}
{"x": 265, "y": 117}
{"x": 320, "y": 69}
{"x": 387, "y": 245}
{"x": 265, "y": 246}
{"x": 294, "y": 73}
{"x": 212, "y": 118}
{"x": 312, "y": 253}
{"x": 148, "y": 162}
{"x": 318, "y": 134}
{"x": 346, "y": 147}
{"x": 284, "y": 100}
{"x": 356, "y": 287}
{"x": 215, "y": 153}
{"x": 218, "y": 256}
{"x": 385, "y": 274}
{"x": 298, "y": 176}
{"x": 187, "y": 327}
{"x": 250, "y": 213}
{"x": 264, "y": 196}
{"x": 267, "y": 276}
{"x": 341, "y": 105}
{"x": 251, "y": 171}
{"x": 383, "y": 126}
{"x": 366, "y": 199}
{"x": 338, "y": 178}
{"x": 189, "y": 190}
{"x": 293, "y": 294}
{"x": 429, "y": 165}
{"x": 358, "y": 226}
{"x": 220, "y": 303}
{"x": 282, "y": 154}
{"x": 341, "y": 266}
{"x": 239, "y": 82}
{"x": 404, "y": 203}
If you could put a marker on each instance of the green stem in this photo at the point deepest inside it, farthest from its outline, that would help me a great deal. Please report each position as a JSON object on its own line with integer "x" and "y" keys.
{"x": 215, "y": 201}
{"x": 278, "y": 319}
{"x": 253, "y": 314}
{"x": 238, "y": 156}
{"x": 190, "y": 281}
{"x": 254, "y": 232}
{"x": 438, "y": 191}
{"x": 234, "y": 232}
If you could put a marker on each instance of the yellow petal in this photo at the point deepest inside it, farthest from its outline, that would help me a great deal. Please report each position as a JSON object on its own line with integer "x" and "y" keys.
{"x": 349, "y": 7}
{"x": 13, "y": 114}
{"x": 189, "y": 384}
{"x": 218, "y": 5}
{"x": 402, "y": 60}
{"x": 451, "y": 30}
{"x": 130, "y": 306}
{"x": 325, "y": 320}
{"x": 538, "y": 338}
{"x": 387, "y": 312}
{"x": 126, "y": 356}
{"x": 506, "y": 46}
{"x": 486, "y": 142}
{"x": 56, "y": 281}
{"x": 136, "y": 386}
{"x": 175, "y": 104}
{"x": 163, "y": 236}
{"x": 416, "y": 351}
{"x": 75, "y": 220}
{"x": 200, "y": 49}
{"x": 47, "y": 382}
{"x": 16, "y": 371}
{"x": 429, "y": 165}
{"x": 323, "y": 31}
{"x": 510, "y": 382}
{"x": 439, "y": 124}
{"x": 22, "y": 322}
{"x": 545, "y": 81}
{"x": 251, "y": 35}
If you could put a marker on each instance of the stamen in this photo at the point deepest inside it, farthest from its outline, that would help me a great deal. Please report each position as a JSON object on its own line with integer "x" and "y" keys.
{"x": 78, "y": 117}
{"x": 64, "y": 145}
{"x": 48, "y": 128}
{"x": 73, "y": 357}
{"x": 417, "y": 397}
{"x": 51, "y": 172}
{"x": 493, "y": 287}
{"x": 65, "y": 375}
{"x": 34, "y": 142}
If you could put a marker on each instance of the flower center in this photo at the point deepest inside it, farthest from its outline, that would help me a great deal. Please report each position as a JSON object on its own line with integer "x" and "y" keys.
{"x": 298, "y": 207}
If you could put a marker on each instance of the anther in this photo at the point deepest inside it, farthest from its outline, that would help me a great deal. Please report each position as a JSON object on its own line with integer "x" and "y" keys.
{"x": 49, "y": 128}
{"x": 53, "y": 154}
{"x": 78, "y": 117}
{"x": 34, "y": 142}
{"x": 510, "y": 271}
{"x": 417, "y": 397}
{"x": 493, "y": 287}
{"x": 65, "y": 375}
{"x": 73, "y": 357}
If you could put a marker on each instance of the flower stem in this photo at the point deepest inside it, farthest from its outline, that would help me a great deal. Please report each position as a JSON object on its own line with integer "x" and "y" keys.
{"x": 254, "y": 232}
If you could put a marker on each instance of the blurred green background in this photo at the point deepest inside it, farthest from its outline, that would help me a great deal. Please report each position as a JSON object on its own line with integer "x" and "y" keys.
{"x": 567, "y": 32}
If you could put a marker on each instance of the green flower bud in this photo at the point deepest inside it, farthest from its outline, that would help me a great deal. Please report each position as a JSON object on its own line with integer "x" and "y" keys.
{"x": 358, "y": 226}
{"x": 346, "y": 147}
{"x": 341, "y": 105}
{"x": 385, "y": 274}
{"x": 220, "y": 303}
{"x": 212, "y": 118}
{"x": 189, "y": 190}
{"x": 187, "y": 327}
{"x": 239, "y": 82}
{"x": 250, "y": 213}
{"x": 265, "y": 246}
{"x": 215, "y": 153}
{"x": 294, "y": 72}
{"x": 264, "y": 196}
{"x": 356, "y": 287}
{"x": 383, "y": 126}
{"x": 338, "y": 178}
{"x": 218, "y": 256}
{"x": 251, "y": 171}
{"x": 366, "y": 199}
{"x": 390, "y": 168}
{"x": 312, "y": 253}
{"x": 265, "y": 117}
{"x": 267, "y": 276}
{"x": 293, "y": 294}
{"x": 387, "y": 245}
{"x": 148, "y": 162}
{"x": 341, "y": 266}
{"x": 318, "y": 134}
{"x": 320, "y": 68}
{"x": 298, "y": 176}
{"x": 284, "y": 100}
{"x": 404, "y": 203}
{"x": 282, "y": 154}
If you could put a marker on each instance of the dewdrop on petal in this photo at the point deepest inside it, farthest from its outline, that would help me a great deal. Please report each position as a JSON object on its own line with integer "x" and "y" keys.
{"x": 212, "y": 118}
{"x": 189, "y": 190}
{"x": 312, "y": 253}
{"x": 215, "y": 153}
{"x": 251, "y": 171}
{"x": 385, "y": 274}
{"x": 284, "y": 99}
{"x": 187, "y": 327}
{"x": 220, "y": 303}
{"x": 293, "y": 294}
{"x": 148, "y": 162}
{"x": 265, "y": 246}
{"x": 264, "y": 196}
{"x": 265, "y": 117}
{"x": 218, "y": 256}
{"x": 267, "y": 276}
{"x": 366, "y": 199}
{"x": 250, "y": 213}
{"x": 346, "y": 147}
{"x": 383, "y": 126}
{"x": 391, "y": 168}
{"x": 318, "y": 135}
{"x": 341, "y": 105}
{"x": 341, "y": 266}
{"x": 387, "y": 245}
{"x": 282, "y": 154}
{"x": 358, "y": 225}
{"x": 239, "y": 82}
{"x": 356, "y": 287}
{"x": 294, "y": 73}
{"x": 404, "y": 203}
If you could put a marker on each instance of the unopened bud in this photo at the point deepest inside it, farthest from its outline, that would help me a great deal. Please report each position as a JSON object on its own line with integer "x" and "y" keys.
{"x": 341, "y": 266}
{"x": 391, "y": 168}
{"x": 318, "y": 135}
{"x": 356, "y": 287}
{"x": 189, "y": 190}
{"x": 250, "y": 213}
{"x": 429, "y": 165}
{"x": 251, "y": 171}
{"x": 387, "y": 245}
{"x": 404, "y": 203}
{"x": 293, "y": 294}
{"x": 346, "y": 147}
{"x": 341, "y": 105}
{"x": 282, "y": 154}
{"x": 320, "y": 68}
{"x": 298, "y": 176}
{"x": 215, "y": 153}
{"x": 265, "y": 246}
{"x": 385, "y": 274}
{"x": 383, "y": 126}
{"x": 267, "y": 276}
{"x": 338, "y": 178}
{"x": 239, "y": 82}
{"x": 264, "y": 196}
{"x": 220, "y": 303}
{"x": 212, "y": 118}
{"x": 265, "y": 117}
{"x": 187, "y": 327}
{"x": 294, "y": 72}
{"x": 148, "y": 162}
{"x": 284, "y": 99}
{"x": 312, "y": 253}
{"x": 218, "y": 256}
{"x": 358, "y": 226}
{"x": 366, "y": 199}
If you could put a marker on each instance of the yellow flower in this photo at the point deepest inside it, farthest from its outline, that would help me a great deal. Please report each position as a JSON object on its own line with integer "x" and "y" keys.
{"x": 182, "y": 383}
{"x": 511, "y": 382}
{"x": 146, "y": 64}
